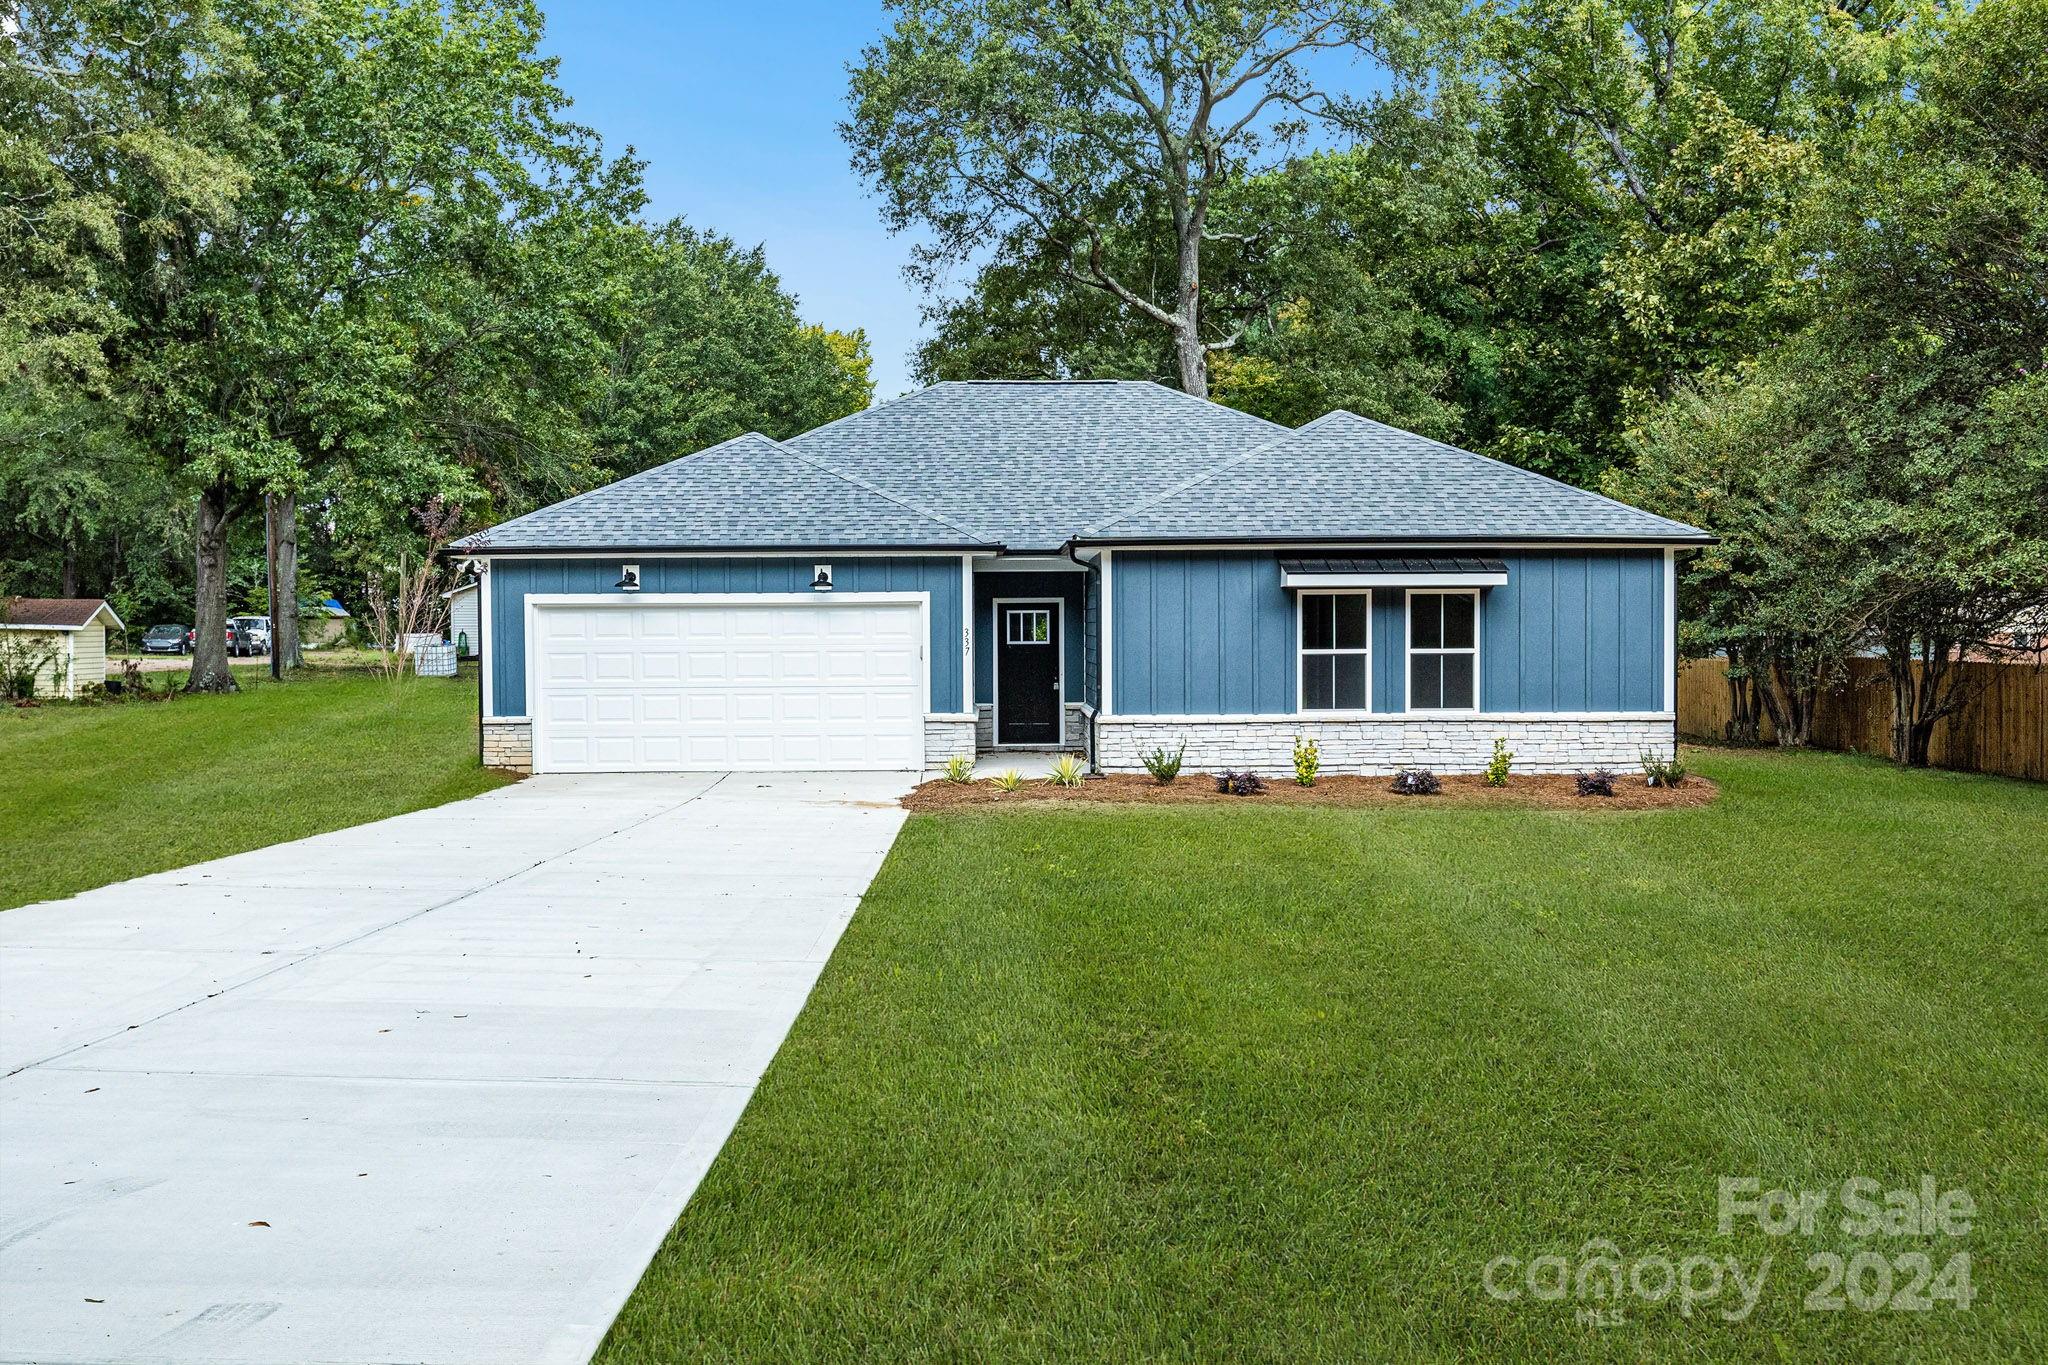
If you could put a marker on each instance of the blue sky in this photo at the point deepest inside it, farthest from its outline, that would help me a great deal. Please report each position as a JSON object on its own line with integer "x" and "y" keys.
{"x": 735, "y": 108}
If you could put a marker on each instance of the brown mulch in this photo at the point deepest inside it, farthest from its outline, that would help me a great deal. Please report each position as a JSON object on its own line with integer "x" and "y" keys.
{"x": 1537, "y": 791}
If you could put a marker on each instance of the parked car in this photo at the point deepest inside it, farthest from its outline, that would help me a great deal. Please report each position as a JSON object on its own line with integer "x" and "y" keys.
{"x": 167, "y": 640}
{"x": 248, "y": 635}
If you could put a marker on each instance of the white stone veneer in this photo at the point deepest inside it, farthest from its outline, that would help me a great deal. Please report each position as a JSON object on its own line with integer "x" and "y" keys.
{"x": 1382, "y": 744}
{"x": 509, "y": 744}
{"x": 946, "y": 736}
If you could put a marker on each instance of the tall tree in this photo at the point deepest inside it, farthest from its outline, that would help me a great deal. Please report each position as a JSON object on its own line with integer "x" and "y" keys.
{"x": 1691, "y": 130}
{"x": 710, "y": 346}
{"x": 381, "y": 158}
{"x": 1776, "y": 596}
{"x": 145, "y": 117}
{"x": 1934, "y": 244}
{"x": 1013, "y": 125}
{"x": 1892, "y": 456}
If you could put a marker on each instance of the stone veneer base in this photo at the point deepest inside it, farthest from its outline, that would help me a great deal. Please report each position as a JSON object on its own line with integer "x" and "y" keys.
{"x": 509, "y": 744}
{"x": 945, "y": 737}
{"x": 1383, "y": 744}
{"x": 1265, "y": 744}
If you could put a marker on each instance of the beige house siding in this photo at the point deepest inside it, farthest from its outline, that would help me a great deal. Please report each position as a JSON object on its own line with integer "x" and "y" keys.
{"x": 88, "y": 658}
{"x": 53, "y": 677}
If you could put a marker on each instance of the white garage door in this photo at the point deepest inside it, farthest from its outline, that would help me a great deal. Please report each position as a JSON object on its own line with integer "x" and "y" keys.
{"x": 817, "y": 683}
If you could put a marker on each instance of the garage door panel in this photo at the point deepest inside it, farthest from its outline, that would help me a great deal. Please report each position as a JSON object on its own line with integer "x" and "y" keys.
{"x": 662, "y": 686}
{"x": 561, "y": 665}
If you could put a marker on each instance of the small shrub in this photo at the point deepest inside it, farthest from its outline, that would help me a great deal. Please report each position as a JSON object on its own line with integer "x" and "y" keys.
{"x": 1308, "y": 761}
{"x": 1068, "y": 772}
{"x": 1240, "y": 784}
{"x": 1008, "y": 780}
{"x": 1599, "y": 782}
{"x": 1662, "y": 772}
{"x": 1415, "y": 782}
{"x": 1497, "y": 766}
{"x": 959, "y": 768}
{"x": 1163, "y": 766}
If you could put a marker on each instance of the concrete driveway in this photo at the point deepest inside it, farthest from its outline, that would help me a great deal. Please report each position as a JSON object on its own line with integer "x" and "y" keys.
{"x": 431, "y": 1089}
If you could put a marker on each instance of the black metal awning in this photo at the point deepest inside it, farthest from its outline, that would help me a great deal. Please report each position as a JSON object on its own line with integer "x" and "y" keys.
{"x": 1394, "y": 567}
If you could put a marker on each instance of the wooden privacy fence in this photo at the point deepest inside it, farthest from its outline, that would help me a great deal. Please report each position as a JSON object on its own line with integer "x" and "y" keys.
{"x": 2004, "y": 730}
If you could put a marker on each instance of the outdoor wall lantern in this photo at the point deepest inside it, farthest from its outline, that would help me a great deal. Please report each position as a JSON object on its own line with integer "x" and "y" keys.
{"x": 629, "y": 579}
{"x": 821, "y": 578}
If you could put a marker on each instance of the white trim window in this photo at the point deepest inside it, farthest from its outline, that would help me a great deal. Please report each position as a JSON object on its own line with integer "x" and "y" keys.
{"x": 1027, "y": 626}
{"x": 1335, "y": 631}
{"x": 1443, "y": 650}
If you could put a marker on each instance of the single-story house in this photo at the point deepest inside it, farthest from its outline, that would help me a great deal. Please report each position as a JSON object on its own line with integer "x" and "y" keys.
{"x": 1104, "y": 566}
{"x": 64, "y": 638}
{"x": 462, "y": 628}
{"x": 322, "y": 623}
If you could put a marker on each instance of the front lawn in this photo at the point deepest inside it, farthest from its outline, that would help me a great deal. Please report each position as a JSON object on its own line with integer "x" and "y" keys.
{"x": 95, "y": 794}
{"x": 1281, "y": 1082}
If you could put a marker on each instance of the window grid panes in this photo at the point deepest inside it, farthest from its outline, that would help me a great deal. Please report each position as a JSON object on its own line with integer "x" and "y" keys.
{"x": 1336, "y": 637}
{"x": 1027, "y": 627}
{"x": 1443, "y": 651}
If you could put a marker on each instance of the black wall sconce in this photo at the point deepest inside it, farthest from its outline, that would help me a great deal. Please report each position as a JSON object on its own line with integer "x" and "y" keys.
{"x": 629, "y": 579}
{"x": 821, "y": 578}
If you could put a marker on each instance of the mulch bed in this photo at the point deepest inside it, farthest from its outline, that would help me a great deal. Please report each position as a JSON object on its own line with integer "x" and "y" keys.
{"x": 1542, "y": 791}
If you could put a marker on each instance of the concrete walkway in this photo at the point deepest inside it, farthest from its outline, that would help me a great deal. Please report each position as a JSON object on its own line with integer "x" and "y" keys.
{"x": 431, "y": 1089}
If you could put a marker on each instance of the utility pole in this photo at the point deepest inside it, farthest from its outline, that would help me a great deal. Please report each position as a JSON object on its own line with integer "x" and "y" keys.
{"x": 270, "y": 565}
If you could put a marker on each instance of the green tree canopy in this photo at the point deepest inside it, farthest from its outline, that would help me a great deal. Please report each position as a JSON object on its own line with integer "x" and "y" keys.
{"x": 1042, "y": 132}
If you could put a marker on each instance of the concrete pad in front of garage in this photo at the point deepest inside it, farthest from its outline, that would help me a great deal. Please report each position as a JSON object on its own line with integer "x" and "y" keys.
{"x": 443, "y": 1109}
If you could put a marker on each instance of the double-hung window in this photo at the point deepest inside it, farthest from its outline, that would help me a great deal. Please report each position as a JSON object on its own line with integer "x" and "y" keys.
{"x": 1443, "y": 651}
{"x": 1336, "y": 639}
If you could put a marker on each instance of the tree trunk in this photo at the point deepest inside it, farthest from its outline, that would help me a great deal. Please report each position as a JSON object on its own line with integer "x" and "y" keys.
{"x": 1194, "y": 359}
{"x": 284, "y": 609}
{"x": 1187, "y": 328}
{"x": 1919, "y": 699}
{"x": 70, "y": 587}
{"x": 210, "y": 598}
{"x": 1745, "y": 714}
{"x": 1795, "y": 693}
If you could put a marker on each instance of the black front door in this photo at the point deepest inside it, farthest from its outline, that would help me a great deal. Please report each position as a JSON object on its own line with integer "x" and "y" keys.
{"x": 1028, "y": 673}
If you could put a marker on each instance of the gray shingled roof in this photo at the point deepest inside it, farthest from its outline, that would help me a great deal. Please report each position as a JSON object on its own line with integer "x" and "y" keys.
{"x": 1344, "y": 477}
{"x": 749, "y": 492}
{"x": 1030, "y": 466}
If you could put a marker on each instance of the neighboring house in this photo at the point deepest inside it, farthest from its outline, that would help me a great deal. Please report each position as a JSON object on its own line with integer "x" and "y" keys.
{"x": 322, "y": 623}
{"x": 65, "y": 638}
{"x": 1107, "y": 566}
{"x": 462, "y": 630}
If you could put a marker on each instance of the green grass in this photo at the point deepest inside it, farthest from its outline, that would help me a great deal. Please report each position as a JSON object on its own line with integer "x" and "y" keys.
{"x": 95, "y": 794}
{"x": 1202, "y": 1083}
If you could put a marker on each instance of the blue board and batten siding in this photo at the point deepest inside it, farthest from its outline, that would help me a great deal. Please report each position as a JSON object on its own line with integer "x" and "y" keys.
{"x": 1575, "y": 631}
{"x": 1212, "y": 633}
{"x": 512, "y": 580}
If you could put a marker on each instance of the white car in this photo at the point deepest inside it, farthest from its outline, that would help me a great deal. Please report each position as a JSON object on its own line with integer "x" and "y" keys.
{"x": 250, "y": 635}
